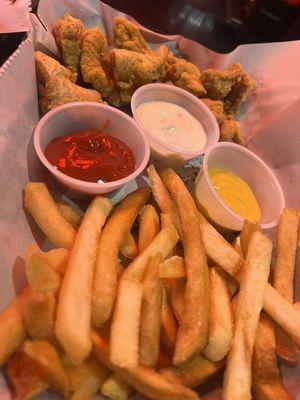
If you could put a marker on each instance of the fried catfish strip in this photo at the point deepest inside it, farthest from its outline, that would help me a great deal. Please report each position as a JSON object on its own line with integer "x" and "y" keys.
{"x": 60, "y": 90}
{"x": 127, "y": 36}
{"x": 238, "y": 94}
{"x": 185, "y": 75}
{"x": 218, "y": 84}
{"x": 132, "y": 69}
{"x": 47, "y": 67}
{"x": 230, "y": 130}
{"x": 216, "y": 107}
{"x": 68, "y": 33}
{"x": 94, "y": 60}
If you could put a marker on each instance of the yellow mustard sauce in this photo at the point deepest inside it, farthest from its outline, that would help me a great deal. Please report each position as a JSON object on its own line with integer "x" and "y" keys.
{"x": 236, "y": 194}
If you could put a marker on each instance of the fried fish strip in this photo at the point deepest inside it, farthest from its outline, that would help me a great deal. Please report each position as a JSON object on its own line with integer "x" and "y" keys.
{"x": 185, "y": 75}
{"x": 47, "y": 67}
{"x": 68, "y": 33}
{"x": 127, "y": 36}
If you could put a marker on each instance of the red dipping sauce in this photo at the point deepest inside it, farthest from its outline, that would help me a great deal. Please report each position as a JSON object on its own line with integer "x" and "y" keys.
{"x": 91, "y": 156}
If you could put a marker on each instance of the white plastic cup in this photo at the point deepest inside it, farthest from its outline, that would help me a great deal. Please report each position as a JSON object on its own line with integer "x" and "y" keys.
{"x": 163, "y": 154}
{"x": 248, "y": 166}
{"x": 79, "y": 116}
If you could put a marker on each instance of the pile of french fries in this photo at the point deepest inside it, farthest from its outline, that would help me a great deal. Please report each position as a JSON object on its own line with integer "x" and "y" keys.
{"x": 155, "y": 307}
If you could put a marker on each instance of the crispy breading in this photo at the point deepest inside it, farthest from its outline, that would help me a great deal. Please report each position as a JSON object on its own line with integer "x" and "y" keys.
{"x": 184, "y": 74}
{"x": 216, "y": 107}
{"x": 238, "y": 94}
{"x": 132, "y": 69}
{"x": 217, "y": 83}
{"x": 94, "y": 60}
{"x": 230, "y": 130}
{"x": 68, "y": 33}
{"x": 60, "y": 90}
{"x": 127, "y": 36}
{"x": 47, "y": 67}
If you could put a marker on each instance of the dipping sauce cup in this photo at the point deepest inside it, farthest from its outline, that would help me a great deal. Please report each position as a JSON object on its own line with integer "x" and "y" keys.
{"x": 81, "y": 116}
{"x": 248, "y": 166}
{"x": 162, "y": 153}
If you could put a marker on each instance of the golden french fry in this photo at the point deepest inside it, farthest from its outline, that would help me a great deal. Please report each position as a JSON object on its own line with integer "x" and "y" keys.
{"x": 250, "y": 302}
{"x": 151, "y": 315}
{"x": 267, "y": 384}
{"x": 86, "y": 379}
{"x": 297, "y": 306}
{"x": 220, "y": 317}
{"x": 115, "y": 388}
{"x": 41, "y": 276}
{"x": 248, "y": 229}
{"x": 285, "y": 250}
{"x": 194, "y": 373}
{"x": 163, "y": 243}
{"x": 236, "y": 244}
{"x": 113, "y": 235}
{"x": 163, "y": 198}
{"x": 124, "y": 333}
{"x": 42, "y": 207}
{"x": 143, "y": 379}
{"x": 46, "y": 356}
{"x": 38, "y": 315}
{"x": 193, "y": 327}
{"x": 148, "y": 226}
{"x": 57, "y": 259}
{"x": 12, "y": 329}
{"x": 73, "y": 322}
{"x": 69, "y": 213}
{"x": 26, "y": 376}
{"x": 168, "y": 325}
{"x": 129, "y": 247}
{"x": 224, "y": 255}
{"x": 173, "y": 267}
{"x": 175, "y": 289}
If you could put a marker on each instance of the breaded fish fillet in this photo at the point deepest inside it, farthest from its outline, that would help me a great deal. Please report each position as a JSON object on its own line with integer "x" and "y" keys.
{"x": 127, "y": 36}
{"x": 47, "y": 67}
{"x": 68, "y": 33}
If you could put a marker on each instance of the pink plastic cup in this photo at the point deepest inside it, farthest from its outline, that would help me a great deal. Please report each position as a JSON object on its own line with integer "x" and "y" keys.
{"x": 165, "y": 155}
{"x": 86, "y": 115}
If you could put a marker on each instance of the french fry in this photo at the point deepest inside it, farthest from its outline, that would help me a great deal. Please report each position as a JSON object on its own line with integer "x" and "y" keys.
{"x": 26, "y": 376}
{"x": 148, "y": 226}
{"x": 86, "y": 379}
{"x": 58, "y": 259}
{"x": 267, "y": 384}
{"x": 115, "y": 388}
{"x": 73, "y": 320}
{"x": 46, "y": 356}
{"x": 42, "y": 207}
{"x": 151, "y": 315}
{"x": 163, "y": 198}
{"x": 286, "y": 248}
{"x": 173, "y": 267}
{"x": 69, "y": 213}
{"x": 220, "y": 317}
{"x": 248, "y": 229}
{"x": 129, "y": 247}
{"x": 38, "y": 315}
{"x": 143, "y": 379}
{"x": 236, "y": 244}
{"x": 175, "y": 289}
{"x": 41, "y": 276}
{"x": 297, "y": 306}
{"x": 250, "y": 302}
{"x": 224, "y": 255}
{"x": 168, "y": 325}
{"x": 124, "y": 333}
{"x": 194, "y": 373}
{"x": 163, "y": 243}
{"x": 12, "y": 329}
{"x": 113, "y": 235}
{"x": 193, "y": 328}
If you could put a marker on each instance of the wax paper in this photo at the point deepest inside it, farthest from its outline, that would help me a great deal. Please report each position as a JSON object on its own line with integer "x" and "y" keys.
{"x": 270, "y": 121}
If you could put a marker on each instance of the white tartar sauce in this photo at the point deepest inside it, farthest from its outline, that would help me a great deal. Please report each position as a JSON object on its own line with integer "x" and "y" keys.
{"x": 172, "y": 124}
